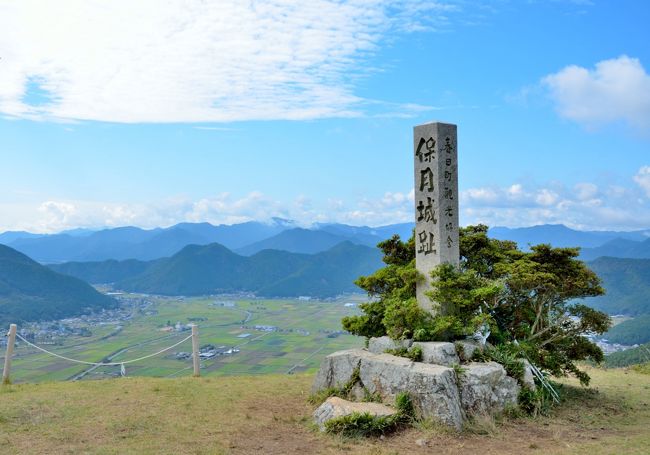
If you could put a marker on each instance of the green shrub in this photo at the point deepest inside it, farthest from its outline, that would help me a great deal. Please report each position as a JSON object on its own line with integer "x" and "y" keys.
{"x": 360, "y": 424}
{"x": 365, "y": 424}
{"x": 414, "y": 353}
{"x": 459, "y": 370}
{"x": 508, "y": 358}
{"x": 341, "y": 392}
{"x": 460, "y": 350}
{"x": 404, "y": 405}
{"x": 535, "y": 402}
{"x": 524, "y": 296}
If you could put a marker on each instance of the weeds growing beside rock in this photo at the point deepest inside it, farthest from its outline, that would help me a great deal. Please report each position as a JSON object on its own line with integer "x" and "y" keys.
{"x": 363, "y": 424}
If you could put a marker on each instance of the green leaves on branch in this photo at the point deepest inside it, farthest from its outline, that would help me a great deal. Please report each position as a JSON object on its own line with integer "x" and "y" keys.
{"x": 528, "y": 297}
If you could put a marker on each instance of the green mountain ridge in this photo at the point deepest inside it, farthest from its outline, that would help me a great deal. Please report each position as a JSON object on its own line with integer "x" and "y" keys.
{"x": 627, "y": 285}
{"x": 632, "y": 331}
{"x": 213, "y": 269}
{"x": 30, "y": 291}
{"x": 308, "y": 241}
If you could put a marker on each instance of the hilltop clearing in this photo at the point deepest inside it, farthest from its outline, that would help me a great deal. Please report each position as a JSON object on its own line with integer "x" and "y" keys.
{"x": 270, "y": 414}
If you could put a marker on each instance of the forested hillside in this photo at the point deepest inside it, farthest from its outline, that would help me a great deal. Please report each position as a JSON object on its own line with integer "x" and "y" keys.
{"x": 212, "y": 269}
{"x": 30, "y": 291}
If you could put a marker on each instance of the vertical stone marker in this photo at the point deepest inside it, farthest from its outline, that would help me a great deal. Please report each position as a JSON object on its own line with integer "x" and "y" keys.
{"x": 436, "y": 201}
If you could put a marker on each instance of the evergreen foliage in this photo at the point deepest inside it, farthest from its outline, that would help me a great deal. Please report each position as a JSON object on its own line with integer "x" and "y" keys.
{"x": 529, "y": 301}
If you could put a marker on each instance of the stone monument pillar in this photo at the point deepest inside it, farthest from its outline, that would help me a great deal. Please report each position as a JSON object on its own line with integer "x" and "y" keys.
{"x": 436, "y": 201}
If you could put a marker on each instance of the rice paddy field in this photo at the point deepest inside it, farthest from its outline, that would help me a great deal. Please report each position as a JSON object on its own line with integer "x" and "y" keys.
{"x": 264, "y": 337}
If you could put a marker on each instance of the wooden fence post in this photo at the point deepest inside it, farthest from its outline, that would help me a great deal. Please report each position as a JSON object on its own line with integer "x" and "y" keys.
{"x": 10, "y": 351}
{"x": 196, "y": 358}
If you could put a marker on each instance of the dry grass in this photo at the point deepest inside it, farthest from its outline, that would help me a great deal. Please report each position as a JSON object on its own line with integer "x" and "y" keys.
{"x": 270, "y": 415}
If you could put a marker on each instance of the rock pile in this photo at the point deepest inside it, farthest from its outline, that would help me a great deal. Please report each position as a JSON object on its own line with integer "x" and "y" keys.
{"x": 439, "y": 386}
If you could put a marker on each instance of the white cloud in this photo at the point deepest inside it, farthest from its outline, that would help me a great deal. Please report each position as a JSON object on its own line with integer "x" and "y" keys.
{"x": 546, "y": 197}
{"x": 585, "y": 191}
{"x": 481, "y": 195}
{"x": 616, "y": 90}
{"x": 642, "y": 178}
{"x": 583, "y": 206}
{"x": 196, "y": 61}
{"x": 57, "y": 215}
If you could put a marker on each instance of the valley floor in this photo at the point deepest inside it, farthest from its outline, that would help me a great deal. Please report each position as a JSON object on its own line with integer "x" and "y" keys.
{"x": 271, "y": 415}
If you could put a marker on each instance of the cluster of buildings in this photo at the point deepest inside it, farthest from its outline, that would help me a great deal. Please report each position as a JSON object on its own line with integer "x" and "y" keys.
{"x": 53, "y": 332}
{"x": 610, "y": 348}
{"x": 208, "y": 352}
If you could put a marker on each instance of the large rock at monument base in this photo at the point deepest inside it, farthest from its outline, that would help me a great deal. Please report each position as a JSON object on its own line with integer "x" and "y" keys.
{"x": 485, "y": 388}
{"x": 336, "y": 369}
{"x": 437, "y": 352}
{"x": 335, "y": 407}
{"x": 380, "y": 345}
{"x": 432, "y": 388}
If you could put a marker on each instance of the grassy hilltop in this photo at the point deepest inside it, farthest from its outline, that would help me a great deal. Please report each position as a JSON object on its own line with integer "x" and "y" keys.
{"x": 270, "y": 414}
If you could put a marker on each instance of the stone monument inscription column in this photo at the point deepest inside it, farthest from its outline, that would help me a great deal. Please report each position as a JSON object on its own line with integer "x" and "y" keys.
{"x": 436, "y": 202}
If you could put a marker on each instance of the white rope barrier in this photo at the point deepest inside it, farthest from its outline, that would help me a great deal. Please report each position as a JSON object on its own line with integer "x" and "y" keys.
{"x": 102, "y": 364}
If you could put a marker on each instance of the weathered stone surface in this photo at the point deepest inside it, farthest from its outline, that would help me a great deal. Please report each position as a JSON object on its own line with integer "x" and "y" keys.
{"x": 468, "y": 347}
{"x": 439, "y": 353}
{"x": 529, "y": 378}
{"x": 436, "y": 202}
{"x": 379, "y": 345}
{"x": 336, "y": 369}
{"x": 337, "y": 407}
{"x": 485, "y": 388}
{"x": 432, "y": 388}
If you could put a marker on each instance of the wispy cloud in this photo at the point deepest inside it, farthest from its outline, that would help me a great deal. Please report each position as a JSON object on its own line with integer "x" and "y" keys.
{"x": 616, "y": 90}
{"x": 642, "y": 178}
{"x": 585, "y": 205}
{"x": 196, "y": 61}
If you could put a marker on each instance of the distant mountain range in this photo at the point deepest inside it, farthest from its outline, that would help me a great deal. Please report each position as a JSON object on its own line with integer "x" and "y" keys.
{"x": 30, "y": 291}
{"x": 252, "y": 237}
{"x": 213, "y": 269}
{"x": 559, "y": 235}
{"x": 246, "y": 238}
{"x": 135, "y": 243}
{"x": 619, "y": 248}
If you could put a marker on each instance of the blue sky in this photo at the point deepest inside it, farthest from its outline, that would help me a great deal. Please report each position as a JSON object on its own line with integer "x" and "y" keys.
{"x": 150, "y": 114}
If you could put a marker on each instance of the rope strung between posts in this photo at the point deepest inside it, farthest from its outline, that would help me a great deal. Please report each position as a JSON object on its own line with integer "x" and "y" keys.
{"x": 102, "y": 364}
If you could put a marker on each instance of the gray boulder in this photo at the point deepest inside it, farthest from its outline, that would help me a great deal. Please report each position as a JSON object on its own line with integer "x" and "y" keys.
{"x": 485, "y": 388}
{"x": 379, "y": 345}
{"x": 336, "y": 369}
{"x": 440, "y": 353}
{"x": 529, "y": 378}
{"x": 432, "y": 388}
{"x": 335, "y": 407}
{"x": 467, "y": 348}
